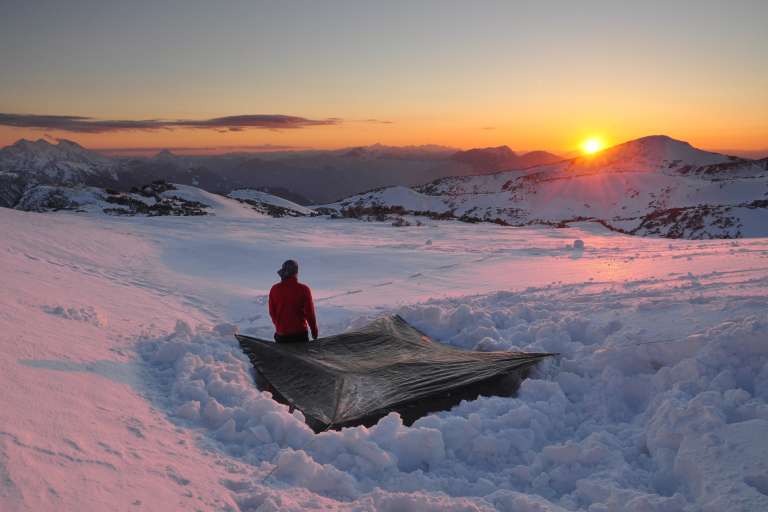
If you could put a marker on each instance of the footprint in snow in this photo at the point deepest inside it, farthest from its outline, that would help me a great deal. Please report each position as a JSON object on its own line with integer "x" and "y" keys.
{"x": 109, "y": 449}
{"x": 135, "y": 427}
{"x": 175, "y": 476}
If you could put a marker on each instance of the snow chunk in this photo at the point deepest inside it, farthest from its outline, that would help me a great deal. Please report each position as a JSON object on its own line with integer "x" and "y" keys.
{"x": 86, "y": 314}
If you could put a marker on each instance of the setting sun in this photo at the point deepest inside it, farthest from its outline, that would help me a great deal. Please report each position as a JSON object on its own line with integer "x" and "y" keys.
{"x": 592, "y": 145}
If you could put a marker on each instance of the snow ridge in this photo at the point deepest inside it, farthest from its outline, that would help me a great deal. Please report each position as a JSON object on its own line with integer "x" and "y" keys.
{"x": 650, "y": 186}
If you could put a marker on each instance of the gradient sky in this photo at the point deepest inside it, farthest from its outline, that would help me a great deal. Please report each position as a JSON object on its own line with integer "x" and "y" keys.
{"x": 532, "y": 75}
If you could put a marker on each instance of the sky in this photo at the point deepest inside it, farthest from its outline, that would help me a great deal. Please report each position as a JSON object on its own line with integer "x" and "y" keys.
{"x": 310, "y": 74}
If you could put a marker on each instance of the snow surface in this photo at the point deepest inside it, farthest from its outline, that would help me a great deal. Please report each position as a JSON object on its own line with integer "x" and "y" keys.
{"x": 124, "y": 389}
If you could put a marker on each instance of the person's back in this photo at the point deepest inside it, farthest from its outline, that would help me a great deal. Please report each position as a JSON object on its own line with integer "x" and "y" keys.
{"x": 291, "y": 307}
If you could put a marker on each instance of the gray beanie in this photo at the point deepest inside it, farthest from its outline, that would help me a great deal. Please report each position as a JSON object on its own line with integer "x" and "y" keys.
{"x": 289, "y": 269}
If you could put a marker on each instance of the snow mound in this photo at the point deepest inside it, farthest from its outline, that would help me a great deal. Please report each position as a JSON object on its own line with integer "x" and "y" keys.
{"x": 611, "y": 424}
{"x": 86, "y": 314}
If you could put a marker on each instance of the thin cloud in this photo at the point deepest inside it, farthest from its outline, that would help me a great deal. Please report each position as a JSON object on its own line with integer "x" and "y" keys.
{"x": 376, "y": 121}
{"x": 81, "y": 124}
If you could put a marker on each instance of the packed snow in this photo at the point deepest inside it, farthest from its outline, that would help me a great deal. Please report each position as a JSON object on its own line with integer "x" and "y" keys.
{"x": 124, "y": 389}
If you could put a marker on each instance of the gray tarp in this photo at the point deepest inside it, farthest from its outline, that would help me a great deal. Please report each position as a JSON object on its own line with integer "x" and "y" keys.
{"x": 358, "y": 377}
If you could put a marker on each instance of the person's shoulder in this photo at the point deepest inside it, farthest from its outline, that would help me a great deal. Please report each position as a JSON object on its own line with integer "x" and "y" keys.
{"x": 305, "y": 288}
{"x": 275, "y": 287}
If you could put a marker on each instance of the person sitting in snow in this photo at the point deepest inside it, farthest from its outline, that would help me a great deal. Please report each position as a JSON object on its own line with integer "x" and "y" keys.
{"x": 291, "y": 307}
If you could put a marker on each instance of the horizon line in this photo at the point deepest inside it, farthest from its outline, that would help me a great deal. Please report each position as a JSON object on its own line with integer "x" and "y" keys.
{"x": 756, "y": 154}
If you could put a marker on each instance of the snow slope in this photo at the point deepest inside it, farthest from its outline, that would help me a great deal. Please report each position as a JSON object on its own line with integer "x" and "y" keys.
{"x": 124, "y": 389}
{"x": 220, "y": 205}
{"x": 260, "y": 199}
{"x": 95, "y": 200}
{"x": 623, "y": 186}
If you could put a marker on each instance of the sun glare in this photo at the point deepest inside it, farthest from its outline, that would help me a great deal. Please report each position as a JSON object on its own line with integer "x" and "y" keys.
{"x": 592, "y": 145}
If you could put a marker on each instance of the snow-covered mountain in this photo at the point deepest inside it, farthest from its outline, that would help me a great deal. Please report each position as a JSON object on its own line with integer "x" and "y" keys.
{"x": 27, "y": 164}
{"x": 304, "y": 177}
{"x": 65, "y": 162}
{"x": 650, "y": 186}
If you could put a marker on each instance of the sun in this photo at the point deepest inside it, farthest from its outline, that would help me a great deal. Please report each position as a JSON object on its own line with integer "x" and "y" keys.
{"x": 592, "y": 145}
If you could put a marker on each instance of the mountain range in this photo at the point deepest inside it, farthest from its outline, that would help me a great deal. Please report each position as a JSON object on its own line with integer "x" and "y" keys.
{"x": 654, "y": 185}
{"x": 650, "y": 186}
{"x": 305, "y": 177}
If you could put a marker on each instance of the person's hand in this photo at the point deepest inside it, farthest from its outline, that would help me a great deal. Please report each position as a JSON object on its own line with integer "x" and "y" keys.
{"x": 314, "y": 336}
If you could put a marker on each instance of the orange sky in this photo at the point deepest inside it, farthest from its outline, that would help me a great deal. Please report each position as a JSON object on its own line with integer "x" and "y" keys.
{"x": 542, "y": 132}
{"x": 522, "y": 74}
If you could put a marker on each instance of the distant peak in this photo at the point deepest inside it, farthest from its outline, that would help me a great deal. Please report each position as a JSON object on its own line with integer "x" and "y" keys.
{"x": 504, "y": 151}
{"x": 165, "y": 154}
{"x": 499, "y": 149}
{"x": 503, "y": 158}
{"x": 69, "y": 143}
{"x": 541, "y": 153}
{"x": 356, "y": 152}
{"x": 659, "y": 143}
{"x": 660, "y": 139}
{"x": 658, "y": 150}
{"x": 45, "y": 144}
{"x": 24, "y": 143}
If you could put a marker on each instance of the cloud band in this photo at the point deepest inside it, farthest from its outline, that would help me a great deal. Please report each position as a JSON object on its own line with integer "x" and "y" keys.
{"x": 80, "y": 124}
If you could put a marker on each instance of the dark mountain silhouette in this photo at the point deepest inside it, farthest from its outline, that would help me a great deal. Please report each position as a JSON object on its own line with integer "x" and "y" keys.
{"x": 501, "y": 158}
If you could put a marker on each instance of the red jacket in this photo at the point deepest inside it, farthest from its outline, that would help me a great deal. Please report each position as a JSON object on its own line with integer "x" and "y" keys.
{"x": 291, "y": 308}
